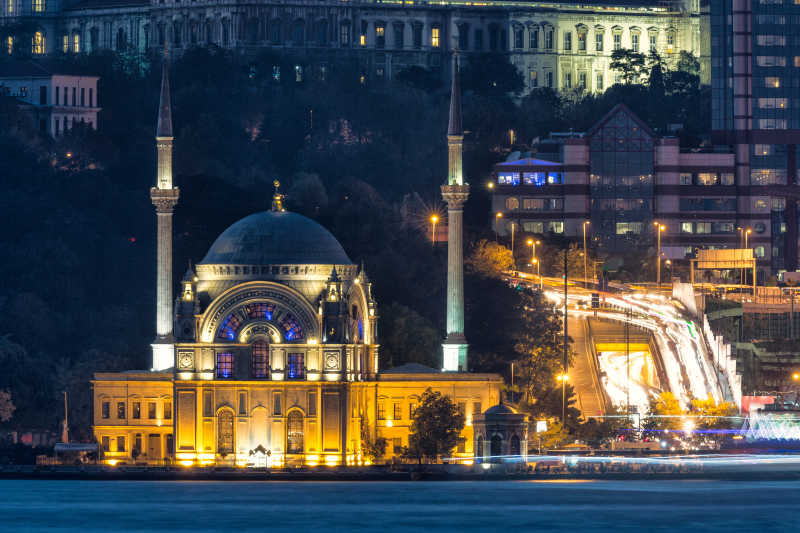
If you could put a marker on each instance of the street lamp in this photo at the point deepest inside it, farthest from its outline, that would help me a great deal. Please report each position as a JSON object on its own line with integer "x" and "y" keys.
{"x": 538, "y": 273}
{"x": 563, "y": 377}
{"x": 513, "y": 259}
{"x": 585, "y": 269}
{"x": 434, "y": 220}
{"x": 497, "y": 218}
{"x": 490, "y": 185}
{"x": 659, "y": 228}
{"x": 747, "y": 232}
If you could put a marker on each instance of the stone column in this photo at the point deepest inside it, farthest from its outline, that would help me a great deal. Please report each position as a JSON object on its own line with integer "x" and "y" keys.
{"x": 164, "y": 201}
{"x": 455, "y": 344}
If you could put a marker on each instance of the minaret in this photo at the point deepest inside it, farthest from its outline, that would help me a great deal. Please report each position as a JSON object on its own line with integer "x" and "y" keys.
{"x": 455, "y": 193}
{"x": 164, "y": 197}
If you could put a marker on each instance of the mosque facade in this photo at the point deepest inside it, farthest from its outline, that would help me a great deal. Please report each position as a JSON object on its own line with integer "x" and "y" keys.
{"x": 268, "y": 353}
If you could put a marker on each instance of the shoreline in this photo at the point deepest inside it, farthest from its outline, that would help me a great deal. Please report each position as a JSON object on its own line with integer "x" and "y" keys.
{"x": 101, "y": 473}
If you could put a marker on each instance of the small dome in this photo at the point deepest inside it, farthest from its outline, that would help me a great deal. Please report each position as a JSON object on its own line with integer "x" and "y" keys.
{"x": 276, "y": 238}
{"x": 500, "y": 409}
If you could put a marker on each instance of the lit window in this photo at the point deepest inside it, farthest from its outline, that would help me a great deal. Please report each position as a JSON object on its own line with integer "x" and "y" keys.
{"x": 10, "y": 6}
{"x": 296, "y": 366}
{"x": 435, "y": 37}
{"x": 760, "y": 205}
{"x": 703, "y": 227}
{"x": 380, "y": 35}
{"x": 105, "y": 410}
{"x": 38, "y": 43}
{"x": 224, "y": 364}
{"x": 763, "y": 149}
{"x": 120, "y": 444}
{"x": 670, "y": 43}
{"x": 686, "y": 227}
{"x": 534, "y": 82}
{"x": 772, "y": 82}
{"x": 136, "y": 411}
{"x": 512, "y": 203}
{"x": 556, "y": 227}
{"x": 598, "y": 41}
{"x": 397, "y": 412}
{"x": 38, "y": 6}
{"x": 167, "y": 410}
{"x": 106, "y": 443}
{"x": 259, "y": 359}
{"x": 768, "y": 176}
{"x": 121, "y": 410}
{"x": 707, "y": 178}
{"x": 381, "y": 411}
{"x": 617, "y": 41}
{"x": 151, "y": 410}
{"x": 759, "y": 251}
{"x": 76, "y": 43}
{"x": 65, "y": 43}
{"x": 778, "y": 204}
{"x": 582, "y": 41}
{"x": 298, "y": 73}
{"x": 10, "y": 45}
{"x": 635, "y": 42}
{"x": 771, "y": 61}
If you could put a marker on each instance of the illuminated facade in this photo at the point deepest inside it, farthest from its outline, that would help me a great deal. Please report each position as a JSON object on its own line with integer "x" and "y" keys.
{"x": 273, "y": 354}
{"x": 622, "y": 177}
{"x": 558, "y": 44}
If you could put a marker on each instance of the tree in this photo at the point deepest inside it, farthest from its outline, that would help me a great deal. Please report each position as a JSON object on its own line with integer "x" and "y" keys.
{"x": 688, "y": 63}
{"x": 436, "y": 427}
{"x": 374, "y": 448}
{"x": 419, "y": 78}
{"x": 665, "y": 413}
{"x": 628, "y": 64}
{"x": 489, "y": 259}
{"x": 491, "y": 75}
{"x": 6, "y": 406}
{"x": 307, "y": 195}
{"x": 713, "y": 415}
{"x": 407, "y": 337}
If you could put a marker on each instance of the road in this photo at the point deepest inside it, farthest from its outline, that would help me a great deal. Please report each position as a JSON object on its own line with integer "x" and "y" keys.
{"x": 684, "y": 361}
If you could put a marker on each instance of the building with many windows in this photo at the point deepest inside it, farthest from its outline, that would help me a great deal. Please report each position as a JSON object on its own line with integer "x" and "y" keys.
{"x": 58, "y": 100}
{"x": 268, "y": 354}
{"x": 561, "y": 44}
{"x": 622, "y": 177}
{"x": 756, "y": 111}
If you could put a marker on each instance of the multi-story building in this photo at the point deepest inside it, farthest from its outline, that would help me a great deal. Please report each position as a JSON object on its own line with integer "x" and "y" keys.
{"x": 622, "y": 178}
{"x": 558, "y": 44}
{"x": 756, "y": 110}
{"x": 58, "y": 101}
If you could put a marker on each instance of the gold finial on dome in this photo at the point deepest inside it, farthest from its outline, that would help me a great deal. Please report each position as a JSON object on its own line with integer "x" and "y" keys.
{"x": 277, "y": 198}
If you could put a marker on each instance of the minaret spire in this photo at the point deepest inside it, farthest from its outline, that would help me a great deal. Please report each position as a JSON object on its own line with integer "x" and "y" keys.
{"x": 164, "y": 196}
{"x": 455, "y": 193}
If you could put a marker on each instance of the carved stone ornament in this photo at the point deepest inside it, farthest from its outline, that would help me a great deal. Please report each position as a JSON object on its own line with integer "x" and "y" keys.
{"x": 185, "y": 360}
{"x": 331, "y": 360}
{"x": 164, "y": 199}
{"x": 455, "y": 195}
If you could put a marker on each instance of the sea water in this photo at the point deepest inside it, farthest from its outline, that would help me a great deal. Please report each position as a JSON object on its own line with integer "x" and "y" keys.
{"x": 486, "y": 506}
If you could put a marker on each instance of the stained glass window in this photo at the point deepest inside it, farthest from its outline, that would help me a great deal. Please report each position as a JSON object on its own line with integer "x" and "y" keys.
{"x": 296, "y": 366}
{"x": 291, "y": 329}
{"x": 259, "y": 359}
{"x": 260, "y": 310}
{"x": 229, "y": 327}
{"x": 224, "y": 365}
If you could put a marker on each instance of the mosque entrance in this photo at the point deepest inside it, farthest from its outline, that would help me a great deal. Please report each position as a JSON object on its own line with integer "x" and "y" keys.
{"x": 154, "y": 447}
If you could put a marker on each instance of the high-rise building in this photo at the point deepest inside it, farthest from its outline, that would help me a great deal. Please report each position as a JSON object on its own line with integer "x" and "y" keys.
{"x": 756, "y": 109}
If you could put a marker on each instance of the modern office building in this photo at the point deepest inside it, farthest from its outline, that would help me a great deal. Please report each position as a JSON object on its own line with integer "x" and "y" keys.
{"x": 756, "y": 110}
{"x": 623, "y": 177}
{"x": 563, "y": 44}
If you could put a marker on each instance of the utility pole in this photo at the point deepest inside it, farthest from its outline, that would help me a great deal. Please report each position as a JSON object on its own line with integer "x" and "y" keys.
{"x": 65, "y": 431}
{"x": 628, "y": 361}
{"x": 585, "y": 256}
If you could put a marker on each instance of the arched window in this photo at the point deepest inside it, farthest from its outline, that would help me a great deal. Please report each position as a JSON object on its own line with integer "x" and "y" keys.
{"x": 496, "y": 447}
{"x": 294, "y": 432}
{"x": 38, "y": 43}
{"x": 322, "y": 33}
{"x": 252, "y": 30}
{"x": 512, "y": 203}
{"x": 226, "y": 23}
{"x": 209, "y": 32}
{"x": 193, "y": 30}
{"x": 259, "y": 358}
{"x": 299, "y": 32}
{"x": 121, "y": 42}
{"x": 177, "y": 29}
{"x": 514, "y": 446}
{"x": 10, "y": 44}
{"x": 225, "y": 432}
{"x": 479, "y": 446}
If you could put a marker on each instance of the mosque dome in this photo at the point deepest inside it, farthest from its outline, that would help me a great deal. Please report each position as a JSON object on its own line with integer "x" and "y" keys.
{"x": 500, "y": 409}
{"x": 276, "y": 238}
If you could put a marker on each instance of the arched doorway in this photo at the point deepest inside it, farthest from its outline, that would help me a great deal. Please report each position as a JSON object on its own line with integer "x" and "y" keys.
{"x": 496, "y": 447}
{"x": 294, "y": 432}
{"x": 225, "y": 433}
{"x": 514, "y": 446}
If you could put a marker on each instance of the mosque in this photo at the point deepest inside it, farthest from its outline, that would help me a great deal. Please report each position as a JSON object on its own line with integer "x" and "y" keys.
{"x": 268, "y": 355}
